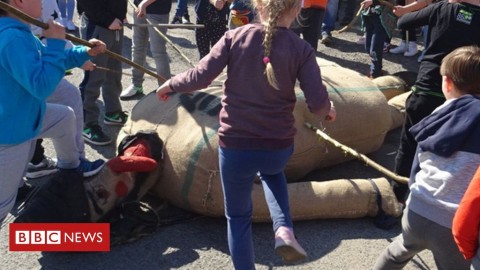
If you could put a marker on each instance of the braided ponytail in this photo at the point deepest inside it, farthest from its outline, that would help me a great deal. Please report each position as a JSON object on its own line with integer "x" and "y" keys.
{"x": 273, "y": 9}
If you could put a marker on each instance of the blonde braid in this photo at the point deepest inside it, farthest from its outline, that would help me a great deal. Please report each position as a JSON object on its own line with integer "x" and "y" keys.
{"x": 268, "y": 40}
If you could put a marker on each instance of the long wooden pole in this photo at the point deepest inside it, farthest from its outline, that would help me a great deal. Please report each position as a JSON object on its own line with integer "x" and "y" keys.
{"x": 76, "y": 40}
{"x": 167, "y": 25}
{"x": 166, "y": 39}
{"x": 362, "y": 157}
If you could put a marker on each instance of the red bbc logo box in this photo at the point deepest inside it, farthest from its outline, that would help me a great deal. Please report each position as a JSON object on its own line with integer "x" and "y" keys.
{"x": 59, "y": 237}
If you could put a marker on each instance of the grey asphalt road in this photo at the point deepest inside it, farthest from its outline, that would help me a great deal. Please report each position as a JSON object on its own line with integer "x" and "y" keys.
{"x": 202, "y": 243}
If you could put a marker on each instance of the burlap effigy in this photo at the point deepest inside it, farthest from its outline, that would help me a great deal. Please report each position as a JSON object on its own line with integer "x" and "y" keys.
{"x": 394, "y": 87}
{"x": 190, "y": 180}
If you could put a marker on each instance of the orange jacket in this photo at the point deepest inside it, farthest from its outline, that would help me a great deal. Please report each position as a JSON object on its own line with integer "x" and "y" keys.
{"x": 314, "y": 3}
{"x": 466, "y": 222}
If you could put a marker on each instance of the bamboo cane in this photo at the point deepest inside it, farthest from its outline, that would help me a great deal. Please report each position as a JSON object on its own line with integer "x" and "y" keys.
{"x": 362, "y": 157}
{"x": 166, "y": 39}
{"x": 8, "y": 8}
{"x": 167, "y": 25}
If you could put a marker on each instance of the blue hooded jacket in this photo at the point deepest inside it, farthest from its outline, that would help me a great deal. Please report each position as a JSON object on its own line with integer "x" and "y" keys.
{"x": 447, "y": 157}
{"x": 29, "y": 73}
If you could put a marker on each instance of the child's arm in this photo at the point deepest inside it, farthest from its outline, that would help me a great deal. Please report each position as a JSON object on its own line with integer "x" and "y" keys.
{"x": 466, "y": 222}
{"x": 202, "y": 75}
{"x": 416, "y": 5}
{"x": 78, "y": 55}
{"x": 316, "y": 95}
{"x": 141, "y": 10}
{"x": 416, "y": 18}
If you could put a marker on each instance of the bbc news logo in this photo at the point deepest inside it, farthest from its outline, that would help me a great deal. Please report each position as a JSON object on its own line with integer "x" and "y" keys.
{"x": 60, "y": 237}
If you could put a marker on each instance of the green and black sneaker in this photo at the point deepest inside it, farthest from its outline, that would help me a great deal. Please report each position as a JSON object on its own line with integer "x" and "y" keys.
{"x": 115, "y": 119}
{"x": 94, "y": 135}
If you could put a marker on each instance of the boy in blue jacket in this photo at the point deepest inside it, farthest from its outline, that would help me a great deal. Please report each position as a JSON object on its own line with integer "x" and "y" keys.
{"x": 447, "y": 156}
{"x": 30, "y": 72}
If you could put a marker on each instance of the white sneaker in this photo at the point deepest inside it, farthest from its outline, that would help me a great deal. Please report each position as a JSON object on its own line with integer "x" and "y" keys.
{"x": 131, "y": 91}
{"x": 411, "y": 49}
{"x": 400, "y": 49}
{"x": 70, "y": 26}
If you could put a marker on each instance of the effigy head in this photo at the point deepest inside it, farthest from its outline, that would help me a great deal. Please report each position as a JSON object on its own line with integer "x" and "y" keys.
{"x": 68, "y": 197}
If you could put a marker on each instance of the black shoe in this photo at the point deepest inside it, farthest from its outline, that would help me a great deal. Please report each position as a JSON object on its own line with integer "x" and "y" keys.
{"x": 176, "y": 20}
{"x": 94, "y": 135}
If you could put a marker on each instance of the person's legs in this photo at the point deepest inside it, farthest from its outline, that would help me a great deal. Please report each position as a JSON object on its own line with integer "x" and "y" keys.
{"x": 59, "y": 124}
{"x": 112, "y": 85}
{"x": 70, "y": 9}
{"x": 139, "y": 49}
{"x": 311, "y": 32}
{"x": 158, "y": 46}
{"x": 444, "y": 249}
{"x": 67, "y": 94}
{"x": 329, "y": 19}
{"x": 86, "y": 33}
{"x": 275, "y": 186}
{"x": 376, "y": 48}
{"x": 203, "y": 43}
{"x": 237, "y": 172}
{"x": 97, "y": 78}
{"x": 13, "y": 163}
{"x": 417, "y": 107}
{"x": 406, "y": 245}
{"x": 181, "y": 13}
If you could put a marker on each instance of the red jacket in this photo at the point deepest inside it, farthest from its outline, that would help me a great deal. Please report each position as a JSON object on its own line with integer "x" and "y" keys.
{"x": 466, "y": 223}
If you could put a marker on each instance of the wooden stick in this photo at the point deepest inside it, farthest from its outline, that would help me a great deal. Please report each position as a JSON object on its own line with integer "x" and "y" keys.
{"x": 169, "y": 25}
{"x": 362, "y": 157}
{"x": 75, "y": 39}
{"x": 352, "y": 22}
{"x": 113, "y": 71}
{"x": 166, "y": 38}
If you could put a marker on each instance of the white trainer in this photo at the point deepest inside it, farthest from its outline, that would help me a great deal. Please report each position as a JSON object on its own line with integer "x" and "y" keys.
{"x": 131, "y": 91}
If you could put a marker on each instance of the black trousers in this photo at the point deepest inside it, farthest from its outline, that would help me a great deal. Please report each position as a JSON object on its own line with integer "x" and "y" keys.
{"x": 310, "y": 22}
{"x": 417, "y": 107}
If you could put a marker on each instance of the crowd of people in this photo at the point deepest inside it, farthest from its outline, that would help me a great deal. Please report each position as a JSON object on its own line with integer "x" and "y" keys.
{"x": 439, "y": 150}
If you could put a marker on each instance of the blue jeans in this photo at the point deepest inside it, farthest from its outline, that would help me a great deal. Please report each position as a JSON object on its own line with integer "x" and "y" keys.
{"x": 181, "y": 8}
{"x": 330, "y": 17}
{"x": 238, "y": 169}
{"x": 375, "y": 36}
{"x": 66, "y": 8}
